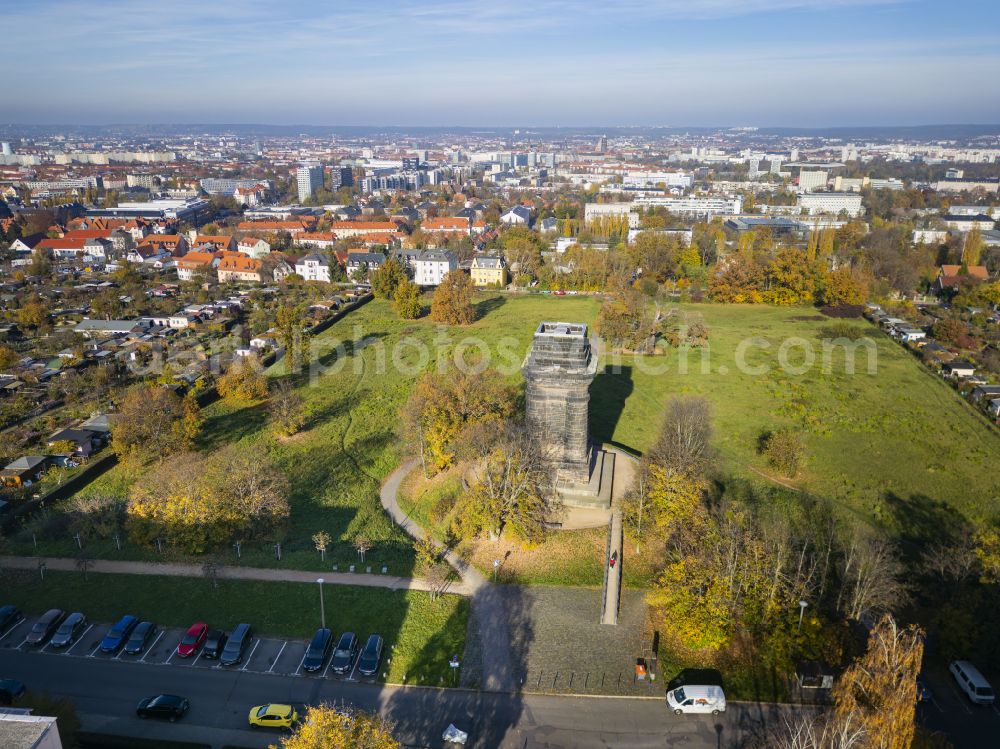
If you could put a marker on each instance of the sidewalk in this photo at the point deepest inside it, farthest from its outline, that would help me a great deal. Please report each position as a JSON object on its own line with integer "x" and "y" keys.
{"x": 178, "y": 569}
{"x": 488, "y": 617}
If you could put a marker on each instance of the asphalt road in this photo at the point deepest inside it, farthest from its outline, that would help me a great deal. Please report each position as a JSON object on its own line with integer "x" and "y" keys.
{"x": 106, "y": 690}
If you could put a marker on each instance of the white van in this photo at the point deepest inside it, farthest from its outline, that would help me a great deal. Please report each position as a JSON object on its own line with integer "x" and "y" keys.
{"x": 692, "y": 698}
{"x": 972, "y": 682}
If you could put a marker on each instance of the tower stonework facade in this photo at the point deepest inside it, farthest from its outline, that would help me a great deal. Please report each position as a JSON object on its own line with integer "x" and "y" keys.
{"x": 558, "y": 371}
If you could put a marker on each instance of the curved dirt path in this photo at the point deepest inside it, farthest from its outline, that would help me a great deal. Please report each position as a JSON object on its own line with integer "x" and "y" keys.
{"x": 489, "y": 634}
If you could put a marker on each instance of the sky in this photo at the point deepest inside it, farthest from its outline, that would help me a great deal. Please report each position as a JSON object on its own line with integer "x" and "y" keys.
{"x": 517, "y": 63}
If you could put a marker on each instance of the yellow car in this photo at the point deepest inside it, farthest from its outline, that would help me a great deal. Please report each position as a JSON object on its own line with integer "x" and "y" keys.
{"x": 273, "y": 716}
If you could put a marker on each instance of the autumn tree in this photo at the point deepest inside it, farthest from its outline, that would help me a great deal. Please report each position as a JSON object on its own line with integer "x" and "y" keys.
{"x": 406, "y": 300}
{"x": 200, "y": 503}
{"x": 871, "y": 576}
{"x": 628, "y": 321}
{"x": 684, "y": 440}
{"x": 784, "y": 450}
{"x": 878, "y": 692}
{"x": 154, "y": 420}
{"x": 452, "y": 301}
{"x": 244, "y": 381}
{"x": 737, "y": 279}
{"x": 8, "y": 357}
{"x": 330, "y": 727}
{"x": 443, "y": 408}
{"x": 321, "y": 540}
{"x": 386, "y": 278}
{"x": 286, "y": 409}
{"x": 33, "y": 314}
{"x": 841, "y": 286}
{"x": 512, "y": 485}
{"x": 291, "y": 321}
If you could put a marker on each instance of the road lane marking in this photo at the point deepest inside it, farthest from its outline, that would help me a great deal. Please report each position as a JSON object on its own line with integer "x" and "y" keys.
{"x": 283, "y": 646}
{"x": 150, "y": 648}
{"x": 250, "y": 657}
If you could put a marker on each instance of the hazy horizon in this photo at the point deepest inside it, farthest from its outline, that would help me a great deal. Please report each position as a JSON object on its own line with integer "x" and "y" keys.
{"x": 764, "y": 63}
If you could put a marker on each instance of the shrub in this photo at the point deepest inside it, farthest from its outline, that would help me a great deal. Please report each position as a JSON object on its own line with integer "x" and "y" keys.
{"x": 784, "y": 451}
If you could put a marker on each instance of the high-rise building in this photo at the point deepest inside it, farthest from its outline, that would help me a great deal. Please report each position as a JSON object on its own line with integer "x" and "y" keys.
{"x": 341, "y": 176}
{"x": 309, "y": 178}
{"x": 5, "y": 149}
{"x": 602, "y": 144}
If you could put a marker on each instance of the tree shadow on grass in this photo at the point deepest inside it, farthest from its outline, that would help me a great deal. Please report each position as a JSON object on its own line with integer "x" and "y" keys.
{"x": 488, "y": 305}
{"x": 608, "y": 393}
{"x": 226, "y": 428}
{"x": 921, "y": 520}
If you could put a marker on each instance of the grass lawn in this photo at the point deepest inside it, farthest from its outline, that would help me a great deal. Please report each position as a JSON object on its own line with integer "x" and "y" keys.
{"x": 890, "y": 446}
{"x": 425, "y": 633}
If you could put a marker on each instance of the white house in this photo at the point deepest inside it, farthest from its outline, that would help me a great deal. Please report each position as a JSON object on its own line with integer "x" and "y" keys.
{"x": 430, "y": 267}
{"x": 313, "y": 267}
{"x": 256, "y": 248}
{"x": 516, "y": 216}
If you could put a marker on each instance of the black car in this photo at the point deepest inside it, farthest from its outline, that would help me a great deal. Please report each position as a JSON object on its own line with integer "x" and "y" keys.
{"x": 343, "y": 656}
{"x": 318, "y": 650}
{"x": 168, "y": 706}
{"x": 236, "y": 645}
{"x": 371, "y": 656}
{"x": 45, "y": 627}
{"x": 10, "y": 690}
{"x": 215, "y": 643}
{"x": 70, "y": 630}
{"x": 9, "y": 616}
{"x": 140, "y": 637}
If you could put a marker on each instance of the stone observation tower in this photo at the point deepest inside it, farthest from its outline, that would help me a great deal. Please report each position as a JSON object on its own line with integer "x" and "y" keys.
{"x": 558, "y": 371}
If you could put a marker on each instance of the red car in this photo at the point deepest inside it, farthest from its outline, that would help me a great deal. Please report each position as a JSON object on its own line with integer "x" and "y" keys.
{"x": 193, "y": 640}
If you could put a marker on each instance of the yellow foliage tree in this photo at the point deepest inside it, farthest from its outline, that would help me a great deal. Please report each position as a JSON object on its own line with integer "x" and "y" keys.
{"x": 328, "y": 727}
{"x": 452, "y": 301}
{"x": 878, "y": 693}
{"x": 244, "y": 381}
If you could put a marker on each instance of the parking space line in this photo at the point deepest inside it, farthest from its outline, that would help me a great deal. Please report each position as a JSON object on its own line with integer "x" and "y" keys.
{"x": 298, "y": 671}
{"x": 93, "y": 652}
{"x": 23, "y": 643}
{"x": 170, "y": 657}
{"x": 961, "y": 700}
{"x": 12, "y": 628}
{"x": 329, "y": 663}
{"x": 995, "y": 709}
{"x": 150, "y": 648}
{"x": 357, "y": 660}
{"x": 283, "y": 646}
{"x": 69, "y": 650}
{"x": 195, "y": 661}
{"x": 250, "y": 657}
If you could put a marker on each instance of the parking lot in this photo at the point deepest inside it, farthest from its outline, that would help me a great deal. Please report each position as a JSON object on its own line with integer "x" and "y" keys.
{"x": 264, "y": 655}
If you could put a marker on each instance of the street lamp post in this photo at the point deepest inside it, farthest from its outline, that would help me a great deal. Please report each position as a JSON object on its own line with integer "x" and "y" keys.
{"x": 322, "y": 612}
{"x": 802, "y": 610}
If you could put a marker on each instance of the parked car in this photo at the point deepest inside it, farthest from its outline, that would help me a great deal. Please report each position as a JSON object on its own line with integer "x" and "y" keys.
{"x": 70, "y": 630}
{"x": 193, "y": 639}
{"x": 371, "y": 656}
{"x": 10, "y": 690}
{"x": 168, "y": 706}
{"x": 140, "y": 637}
{"x": 9, "y": 616}
{"x": 692, "y": 698}
{"x": 236, "y": 645}
{"x": 45, "y": 627}
{"x": 273, "y": 716}
{"x": 215, "y": 642}
{"x": 973, "y": 683}
{"x": 119, "y": 634}
{"x": 343, "y": 656}
{"x": 318, "y": 650}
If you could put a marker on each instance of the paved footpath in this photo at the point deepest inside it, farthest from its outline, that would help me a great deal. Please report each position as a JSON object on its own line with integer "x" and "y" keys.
{"x": 178, "y": 569}
{"x": 488, "y": 620}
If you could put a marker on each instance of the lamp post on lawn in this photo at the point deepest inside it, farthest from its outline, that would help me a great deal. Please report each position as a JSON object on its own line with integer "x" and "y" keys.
{"x": 802, "y": 610}
{"x": 322, "y": 612}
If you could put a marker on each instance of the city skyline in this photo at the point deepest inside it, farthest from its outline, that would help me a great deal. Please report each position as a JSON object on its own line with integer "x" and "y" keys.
{"x": 719, "y": 63}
